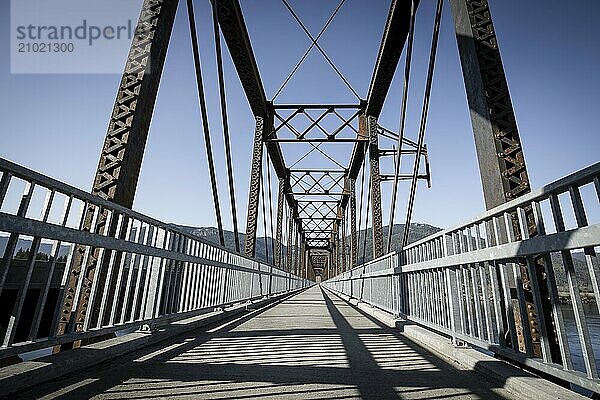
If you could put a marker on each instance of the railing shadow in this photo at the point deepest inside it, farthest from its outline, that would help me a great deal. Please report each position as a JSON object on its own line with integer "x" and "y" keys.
{"x": 345, "y": 356}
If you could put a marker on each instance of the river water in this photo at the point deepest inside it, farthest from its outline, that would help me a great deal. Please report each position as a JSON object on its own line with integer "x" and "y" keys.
{"x": 593, "y": 322}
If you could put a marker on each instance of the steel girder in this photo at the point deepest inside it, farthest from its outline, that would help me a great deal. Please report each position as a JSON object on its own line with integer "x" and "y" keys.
{"x": 296, "y": 251}
{"x": 233, "y": 26}
{"x": 353, "y": 236}
{"x": 254, "y": 190}
{"x": 279, "y": 228}
{"x": 370, "y": 126}
{"x": 236, "y": 36}
{"x": 320, "y": 195}
{"x": 392, "y": 43}
{"x": 290, "y": 243}
{"x": 501, "y": 162}
{"x": 121, "y": 158}
{"x": 235, "y": 33}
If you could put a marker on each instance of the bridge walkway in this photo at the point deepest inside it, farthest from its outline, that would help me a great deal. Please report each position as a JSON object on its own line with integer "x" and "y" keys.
{"x": 311, "y": 346}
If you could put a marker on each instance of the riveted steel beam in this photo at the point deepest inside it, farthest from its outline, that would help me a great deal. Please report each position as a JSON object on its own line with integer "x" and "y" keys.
{"x": 392, "y": 43}
{"x": 499, "y": 151}
{"x": 290, "y": 244}
{"x": 235, "y": 33}
{"x": 254, "y": 190}
{"x": 233, "y": 26}
{"x": 279, "y": 228}
{"x": 353, "y": 235}
{"x": 500, "y": 155}
{"x": 369, "y": 124}
{"x": 121, "y": 157}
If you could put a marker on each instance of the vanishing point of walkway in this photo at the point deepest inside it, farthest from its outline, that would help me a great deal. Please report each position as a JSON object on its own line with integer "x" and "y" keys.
{"x": 311, "y": 346}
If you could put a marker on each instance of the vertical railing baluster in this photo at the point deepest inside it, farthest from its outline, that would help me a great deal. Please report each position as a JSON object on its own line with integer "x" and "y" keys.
{"x": 14, "y": 318}
{"x": 13, "y": 239}
{"x": 580, "y": 318}
{"x": 56, "y": 246}
{"x": 559, "y": 325}
{"x": 114, "y": 257}
{"x": 506, "y": 295}
{"x": 152, "y": 306}
{"x": 131, "y": 233}
{"x": 100, "y": 254}
{"x": 133, "y": 266}
{"x": 148, "y": 274}
{"x": 142, "y": 270}
{"x": 591, "y": 257}
{"x": 535, "y": 289}
{"x": 176, "y": 285}
{"x": 4, "y": 185}
{"x": 596, "y": 186}
{"x": 494, "y": 270}
{"x": 77, "y": 297}
{"x": 461, "y": 304}
{"x": 484, "y": 290}
{"x": 170, "y": 273}
{"x": 185, "y": 280}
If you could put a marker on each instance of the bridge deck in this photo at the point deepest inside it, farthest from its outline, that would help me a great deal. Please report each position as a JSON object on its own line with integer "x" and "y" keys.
{"x": 312, "y": 345}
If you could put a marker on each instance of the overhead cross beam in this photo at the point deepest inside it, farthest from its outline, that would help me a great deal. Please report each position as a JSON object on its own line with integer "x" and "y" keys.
{"x": 271, "y": 119}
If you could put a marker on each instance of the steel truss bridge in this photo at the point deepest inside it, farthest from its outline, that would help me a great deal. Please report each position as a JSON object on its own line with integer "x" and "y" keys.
{"x": 491, "y": 283}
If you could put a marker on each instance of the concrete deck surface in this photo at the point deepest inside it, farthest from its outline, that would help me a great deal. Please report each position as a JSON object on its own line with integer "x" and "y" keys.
{"x": 311, "y": 346}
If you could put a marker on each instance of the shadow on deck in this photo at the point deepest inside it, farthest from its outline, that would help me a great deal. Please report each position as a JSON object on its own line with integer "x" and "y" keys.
{"x": 311, "y": 346}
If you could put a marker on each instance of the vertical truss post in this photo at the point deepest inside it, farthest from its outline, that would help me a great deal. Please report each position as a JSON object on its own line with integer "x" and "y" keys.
{"x": 343, "y": 265}
{"x": 353, "y": 236}
{"x": 290, "y": 241}
{"x": 121, "y": 158}
{"x": 333, "y": 257}
{"x": 368, "y": 124}
{"x": 279, "y": 228}
{"x": 309, "y": 271}
{"x": 254, "y": 192}
{"x": 501, "y": 162}
{"x": 307, "y": 261}
{"x": 303, "y": 257}
{"x": 339, "y": 252}
{"x": 296, "y": 251}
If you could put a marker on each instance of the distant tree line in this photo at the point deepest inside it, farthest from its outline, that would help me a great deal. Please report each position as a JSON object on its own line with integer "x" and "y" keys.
{"x": 23, "y": 254}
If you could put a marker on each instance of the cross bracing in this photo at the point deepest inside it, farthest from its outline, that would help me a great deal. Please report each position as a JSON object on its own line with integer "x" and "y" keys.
{"x": 125, "y": 268}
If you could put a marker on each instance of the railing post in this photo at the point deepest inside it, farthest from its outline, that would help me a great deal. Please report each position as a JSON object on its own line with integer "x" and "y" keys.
{"x": 157, "y": 265}
{"x": 121, "y": 158}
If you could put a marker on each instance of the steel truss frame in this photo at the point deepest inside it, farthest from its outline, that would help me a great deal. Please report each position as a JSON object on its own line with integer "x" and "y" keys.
{"x": 275, "y": 126}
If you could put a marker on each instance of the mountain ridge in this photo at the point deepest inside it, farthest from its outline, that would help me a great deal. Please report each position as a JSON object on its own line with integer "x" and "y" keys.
{"x": 417, "y": 232}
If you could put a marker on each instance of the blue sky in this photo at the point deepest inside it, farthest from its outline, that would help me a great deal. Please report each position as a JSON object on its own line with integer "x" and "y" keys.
{"x": 56, "y": 123}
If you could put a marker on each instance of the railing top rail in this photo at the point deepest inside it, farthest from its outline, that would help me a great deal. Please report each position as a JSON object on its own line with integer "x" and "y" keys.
{"x": 581, "y": 177}
{"x": 26, "y": 174}
{"x": 380, "y": 258}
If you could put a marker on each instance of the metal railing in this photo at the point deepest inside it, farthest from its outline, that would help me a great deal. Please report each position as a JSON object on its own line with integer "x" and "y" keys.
{"x": 145, "y": 271}
{"x": 481, "y": 282}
